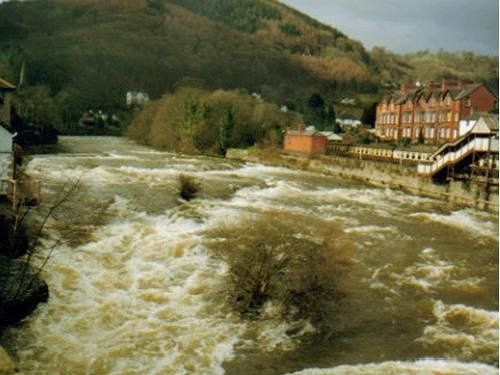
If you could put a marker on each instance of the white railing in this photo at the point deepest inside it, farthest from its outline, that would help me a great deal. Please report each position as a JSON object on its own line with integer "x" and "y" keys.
{"x": 389, "y": 154}
{"x": 476, "y": 145}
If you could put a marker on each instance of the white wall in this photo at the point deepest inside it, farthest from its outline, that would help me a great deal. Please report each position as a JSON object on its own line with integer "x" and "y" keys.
{"x": 5, "y": 140}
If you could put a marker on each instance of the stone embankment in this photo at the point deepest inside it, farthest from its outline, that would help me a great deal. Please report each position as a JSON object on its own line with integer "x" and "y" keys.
{"x": 380, "y": 174}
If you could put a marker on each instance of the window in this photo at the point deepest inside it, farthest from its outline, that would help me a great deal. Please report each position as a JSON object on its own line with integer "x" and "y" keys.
{"x": 455, "y": 133}
{"x": 455, "y": 115}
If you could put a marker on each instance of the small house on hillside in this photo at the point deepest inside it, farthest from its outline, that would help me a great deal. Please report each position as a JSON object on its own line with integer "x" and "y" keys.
{"x": 304, "y": 142}
{"x": 348, "y": 121}
{"x": 6, "y": 89}
{"x": 137, "y": 98}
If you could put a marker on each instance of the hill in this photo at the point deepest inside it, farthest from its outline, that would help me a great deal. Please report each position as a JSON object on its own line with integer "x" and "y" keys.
{"x": 89, "y": 53}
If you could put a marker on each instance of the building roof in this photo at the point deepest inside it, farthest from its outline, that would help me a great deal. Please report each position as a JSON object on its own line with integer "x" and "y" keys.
{"x": 331, "y": 136}
{"x": 474, "y": 117}
{"x": 467, "y": 90}
{"x": 6, "y": 85}
{"x": 457, "y": 91}
{"x": 491, "y": 121}
{"x": 303, "y": 132}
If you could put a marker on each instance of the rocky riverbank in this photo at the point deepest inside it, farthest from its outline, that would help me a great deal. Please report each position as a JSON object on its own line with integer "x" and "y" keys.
{"x": 21, "y": 289}
{"x": 377, "y": 173}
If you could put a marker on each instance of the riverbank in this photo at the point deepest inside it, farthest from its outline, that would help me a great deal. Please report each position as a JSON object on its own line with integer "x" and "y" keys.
{"x": 377, "y": 173}
{"x": 21, "y": 288}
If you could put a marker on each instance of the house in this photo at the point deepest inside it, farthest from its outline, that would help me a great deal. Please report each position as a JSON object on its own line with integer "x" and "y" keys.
{"x": 348, "y": 101}
{"x": 6, "y": 159}
{"x": 6, "y": 89}
{"x": 304, "y": 142}
{"x": 431, "y": 111}
{"x": 136, "y": 98}
{"x": 348, "y": 120}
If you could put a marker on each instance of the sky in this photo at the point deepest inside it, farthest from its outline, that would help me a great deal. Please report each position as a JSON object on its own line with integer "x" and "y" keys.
{"x": 410, "y": 25}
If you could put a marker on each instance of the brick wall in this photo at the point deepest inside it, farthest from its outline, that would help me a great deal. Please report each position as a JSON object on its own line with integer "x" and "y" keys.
{"x": 305, "y": 144}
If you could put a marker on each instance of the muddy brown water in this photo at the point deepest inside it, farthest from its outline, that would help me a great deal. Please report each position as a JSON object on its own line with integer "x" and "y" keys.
{"x": 135, "y": 290}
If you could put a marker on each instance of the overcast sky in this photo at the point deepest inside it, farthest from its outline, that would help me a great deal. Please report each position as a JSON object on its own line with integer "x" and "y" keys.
{"x": 411, "y": 25}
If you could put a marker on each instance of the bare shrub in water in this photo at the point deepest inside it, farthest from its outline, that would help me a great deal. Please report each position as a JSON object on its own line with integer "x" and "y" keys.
{"x": 290, "y": 260}
{"x": 188, "y": 187}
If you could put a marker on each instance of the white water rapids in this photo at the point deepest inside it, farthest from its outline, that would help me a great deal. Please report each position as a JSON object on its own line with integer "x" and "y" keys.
{"x": 134, "y": 289}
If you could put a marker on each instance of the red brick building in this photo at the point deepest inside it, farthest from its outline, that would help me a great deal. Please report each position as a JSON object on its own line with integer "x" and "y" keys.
{"x": 434, "y": 110}
{"x": 304, "y": 142}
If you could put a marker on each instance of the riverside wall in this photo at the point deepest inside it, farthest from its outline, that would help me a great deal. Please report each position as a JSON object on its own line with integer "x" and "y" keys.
{"x": 381, "y": 174}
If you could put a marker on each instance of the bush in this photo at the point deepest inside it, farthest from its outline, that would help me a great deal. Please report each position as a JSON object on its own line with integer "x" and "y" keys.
{"x": 188, "y": 187}
{"x": 291, "y": 264}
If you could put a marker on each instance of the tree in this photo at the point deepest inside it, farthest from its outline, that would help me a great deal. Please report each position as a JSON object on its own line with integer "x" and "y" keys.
{"x": 316, "y": 101}
{"x": 420, "y": 138}
{"x": 330, "y": 118}
{"x": 226, "y": 130}
{"x": 315, "y": 113}
{"x": 369, "y": 115}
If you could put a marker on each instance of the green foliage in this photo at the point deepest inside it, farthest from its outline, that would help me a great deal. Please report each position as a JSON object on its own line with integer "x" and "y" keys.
{"x": 405, "y": 142}
{"x": 290, "y": 29}
{"x": 38, "y": 110}
{"x": 316, "y": 101}
{"x": 243, "y": 15}
{"x": 89, "y": 53}
{"x": 331, "y": 117}
{"x": 369, "y": 115}
{"x": 156, "y": 5}
{"x": 197, "y": 120}
{"x": 420, "y": 138}
{"x": 226, "y": 130}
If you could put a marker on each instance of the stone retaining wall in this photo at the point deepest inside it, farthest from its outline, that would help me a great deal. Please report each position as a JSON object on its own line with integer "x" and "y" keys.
{"x": 381, "y": 174}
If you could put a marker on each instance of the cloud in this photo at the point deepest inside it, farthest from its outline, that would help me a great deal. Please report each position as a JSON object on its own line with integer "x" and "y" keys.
{"x": 410, "y": 25}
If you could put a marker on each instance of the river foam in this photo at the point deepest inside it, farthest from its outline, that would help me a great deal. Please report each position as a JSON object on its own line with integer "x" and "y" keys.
{"x": 420, "y": 367}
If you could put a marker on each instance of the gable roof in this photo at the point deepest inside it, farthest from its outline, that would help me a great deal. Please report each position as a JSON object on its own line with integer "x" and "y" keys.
{"x": 467, "y": 90}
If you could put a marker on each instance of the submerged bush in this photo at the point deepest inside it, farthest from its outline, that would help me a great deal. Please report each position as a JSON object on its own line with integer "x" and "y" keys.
{"x": 293, "y": 263}
{"x": 188, "y": 187}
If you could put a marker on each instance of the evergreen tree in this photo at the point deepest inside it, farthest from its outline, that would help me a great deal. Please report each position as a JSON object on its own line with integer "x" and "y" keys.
{"x": 315, "y": 113}
{"x": 369, "y": 115}
{"x": 226, "y": 130}
{"x": 330, "y": 118}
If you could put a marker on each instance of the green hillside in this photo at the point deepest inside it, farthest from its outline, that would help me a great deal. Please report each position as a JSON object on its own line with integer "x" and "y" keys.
{"x": 86, "y": 54}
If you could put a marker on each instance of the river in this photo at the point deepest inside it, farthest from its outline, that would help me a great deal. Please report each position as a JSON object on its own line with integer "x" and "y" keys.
{"x": 135, "y": 289}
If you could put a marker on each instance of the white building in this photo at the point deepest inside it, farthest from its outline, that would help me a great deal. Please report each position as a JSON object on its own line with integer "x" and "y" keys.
{"x": 6, "y": 159}
{"x": 137, "y": 98}
{"x": 480, "y": 122}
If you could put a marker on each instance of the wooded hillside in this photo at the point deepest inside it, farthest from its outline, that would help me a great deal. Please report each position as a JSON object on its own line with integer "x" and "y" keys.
{"x": 89, "y": 53}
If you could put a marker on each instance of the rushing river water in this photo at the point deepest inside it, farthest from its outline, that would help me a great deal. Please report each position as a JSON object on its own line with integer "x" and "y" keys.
{"x": 135, "y": 290}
